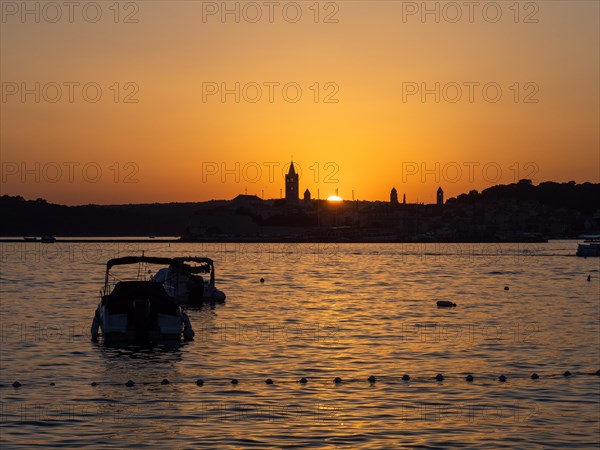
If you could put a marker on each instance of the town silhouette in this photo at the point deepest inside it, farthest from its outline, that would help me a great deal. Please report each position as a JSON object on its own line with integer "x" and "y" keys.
{"x": 518, "y": 212}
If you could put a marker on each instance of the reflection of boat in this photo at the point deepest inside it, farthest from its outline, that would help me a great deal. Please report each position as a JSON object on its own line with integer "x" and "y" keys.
{"x": 138, "y": 309}
{"x": 589, "y": 247}
{"x": 47, "y": 239}
{"x": 122, "y": 360}
{"x": 183, "y": 281}
{"x": 147, "y": 351}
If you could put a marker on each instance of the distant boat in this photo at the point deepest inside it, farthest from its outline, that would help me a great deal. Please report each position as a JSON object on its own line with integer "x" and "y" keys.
{"x": 183, "y": 280}
{"x": 47, "y": 239}
{"x": 29, "y": 239}
{"x": 589, "y": 247}
{"x": 151, "y": 236}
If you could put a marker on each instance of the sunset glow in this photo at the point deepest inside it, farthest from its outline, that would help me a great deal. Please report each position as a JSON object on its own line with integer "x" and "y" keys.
{"x": 214, "y": 106}
{"x": 296, "y": 224}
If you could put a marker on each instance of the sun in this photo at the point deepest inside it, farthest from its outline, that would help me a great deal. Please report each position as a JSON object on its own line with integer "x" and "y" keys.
{"x": 334, "y": 198}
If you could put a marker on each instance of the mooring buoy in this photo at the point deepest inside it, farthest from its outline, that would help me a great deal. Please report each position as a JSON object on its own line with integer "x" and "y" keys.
{"x": 445, "y": 304}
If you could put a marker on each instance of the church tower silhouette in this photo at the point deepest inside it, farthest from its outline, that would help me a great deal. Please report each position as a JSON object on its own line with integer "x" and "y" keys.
{"x": 394, "y": 196}
{"x": 291, "y": 185}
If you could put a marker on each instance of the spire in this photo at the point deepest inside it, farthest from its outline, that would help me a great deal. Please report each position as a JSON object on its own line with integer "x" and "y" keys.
{"x": 291, "y": 184}
{"x": 292, "y": 170}
{"x": 440, "y": 196}
{"x": 394, "y": 196}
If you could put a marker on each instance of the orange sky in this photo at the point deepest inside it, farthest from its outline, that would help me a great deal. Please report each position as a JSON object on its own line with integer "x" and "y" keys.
{"x": 173, "y": 143}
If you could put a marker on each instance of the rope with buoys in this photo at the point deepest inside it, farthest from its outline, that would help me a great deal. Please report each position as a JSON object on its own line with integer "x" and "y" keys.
{"x": 372, "y": 379}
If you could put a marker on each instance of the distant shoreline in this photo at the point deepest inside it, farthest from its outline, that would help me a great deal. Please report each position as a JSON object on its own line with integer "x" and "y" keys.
{"x": 516, "y": 213}
{"x": 133, "y": 240}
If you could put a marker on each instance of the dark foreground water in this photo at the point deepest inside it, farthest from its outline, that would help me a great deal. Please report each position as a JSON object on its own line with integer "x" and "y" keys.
{"x": 324, "y": 311}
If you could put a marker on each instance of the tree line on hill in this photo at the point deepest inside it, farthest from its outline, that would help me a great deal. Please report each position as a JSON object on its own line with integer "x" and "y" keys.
{"x": 23, "y": 217}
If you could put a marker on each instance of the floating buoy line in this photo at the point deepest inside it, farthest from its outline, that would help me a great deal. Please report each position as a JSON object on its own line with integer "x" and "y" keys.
{"x": 371, "y": 380}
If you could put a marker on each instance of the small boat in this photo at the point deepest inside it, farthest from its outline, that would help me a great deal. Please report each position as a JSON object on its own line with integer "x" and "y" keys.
{"x": 589, "y": 247}
{"x": 30, "y": 239}
{"x": 47, "y": 239}
{"x": 138, "y": 309}
{"x": 183, "y": 280}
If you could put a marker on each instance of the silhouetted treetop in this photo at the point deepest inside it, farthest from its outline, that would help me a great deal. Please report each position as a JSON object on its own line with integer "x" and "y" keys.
{"x": 581, "y": 197}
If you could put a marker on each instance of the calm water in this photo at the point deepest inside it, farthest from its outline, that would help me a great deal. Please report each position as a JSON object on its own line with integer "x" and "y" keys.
{"x": 324, "y": 311}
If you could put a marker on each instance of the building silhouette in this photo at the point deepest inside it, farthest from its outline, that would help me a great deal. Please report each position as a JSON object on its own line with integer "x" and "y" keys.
{"x": 291, "y": 185}
{"x": 394, "y": 196}
{"x": 440, "y": 196}
{"x": 404, "y": 199}
{"x": 307, "y": 195}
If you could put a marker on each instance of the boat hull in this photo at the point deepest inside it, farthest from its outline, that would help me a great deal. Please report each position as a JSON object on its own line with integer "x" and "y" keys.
{"x": 124, "y": 326}
{"x": 588, "y": 250}
{"x": 189, "y": 290}
{"x": 140, "y": 311}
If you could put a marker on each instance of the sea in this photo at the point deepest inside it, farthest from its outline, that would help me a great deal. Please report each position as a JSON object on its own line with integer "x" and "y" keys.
{"x": 336, "y": 327}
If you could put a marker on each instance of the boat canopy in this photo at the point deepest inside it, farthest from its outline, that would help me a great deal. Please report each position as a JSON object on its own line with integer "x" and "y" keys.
{"x": 197, "y": 259}
{"x": 140, "y": 259}
{"x": 206, "y": 264}
{"x": 179, "y": 261}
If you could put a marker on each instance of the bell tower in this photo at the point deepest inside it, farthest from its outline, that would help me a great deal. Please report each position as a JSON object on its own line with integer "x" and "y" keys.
{"x": 394, "y": 196}
{"x": 291, "y": 185}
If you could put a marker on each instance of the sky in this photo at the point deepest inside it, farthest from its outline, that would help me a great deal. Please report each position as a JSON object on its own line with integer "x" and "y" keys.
{"x": 156, "y": 101}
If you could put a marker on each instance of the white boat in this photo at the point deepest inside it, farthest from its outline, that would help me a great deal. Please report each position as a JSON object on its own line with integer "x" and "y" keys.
{"x": 589, "y": 247}
{"x": 183, "y": 280}
{"x": 138, "y": 309}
